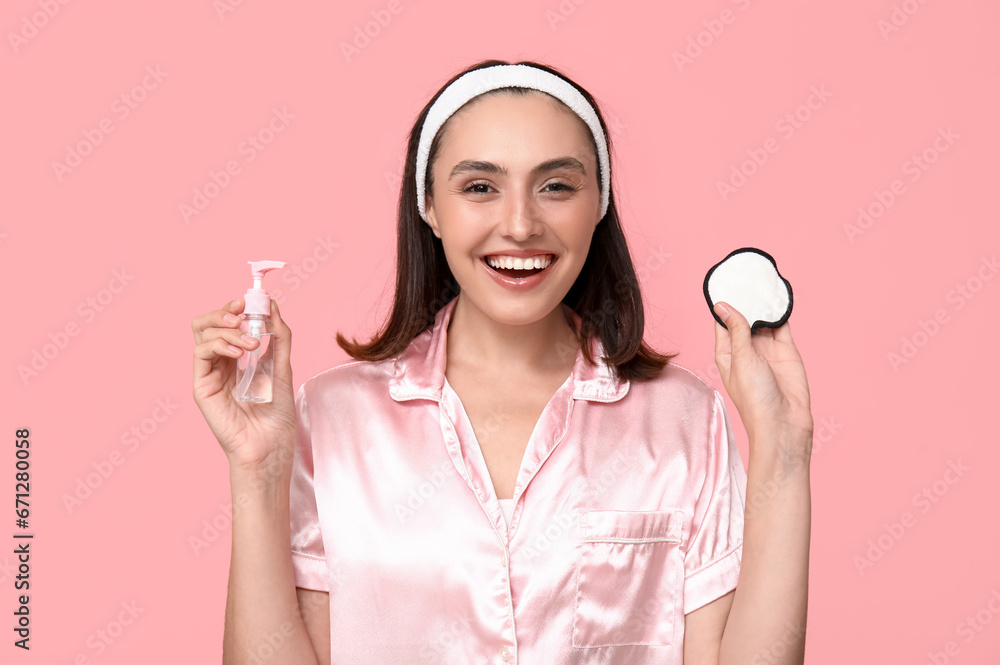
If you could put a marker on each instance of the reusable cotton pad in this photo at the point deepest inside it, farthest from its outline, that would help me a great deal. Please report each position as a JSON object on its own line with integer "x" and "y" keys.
{"x": 748, "y": 279}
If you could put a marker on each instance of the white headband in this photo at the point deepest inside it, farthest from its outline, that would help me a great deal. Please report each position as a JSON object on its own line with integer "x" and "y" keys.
{"x": 477, "y": 82}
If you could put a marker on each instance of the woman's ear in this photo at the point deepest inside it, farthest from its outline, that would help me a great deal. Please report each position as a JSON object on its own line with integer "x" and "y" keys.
{"x": 431, "y": 217}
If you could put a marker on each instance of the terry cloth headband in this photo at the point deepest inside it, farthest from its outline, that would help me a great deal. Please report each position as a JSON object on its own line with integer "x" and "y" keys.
{"x": 482, "y": 80}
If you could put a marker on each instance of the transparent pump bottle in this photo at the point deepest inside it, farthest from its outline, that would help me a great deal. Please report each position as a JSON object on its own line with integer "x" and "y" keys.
{"x": 255, "y": 368}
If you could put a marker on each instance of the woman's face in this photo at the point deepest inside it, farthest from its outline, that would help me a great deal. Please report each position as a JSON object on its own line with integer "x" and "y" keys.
{"x": 515, "y": 174}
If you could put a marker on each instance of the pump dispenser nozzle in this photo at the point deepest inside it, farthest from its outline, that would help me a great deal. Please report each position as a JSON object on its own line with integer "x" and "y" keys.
{"x": 257, "y": 300}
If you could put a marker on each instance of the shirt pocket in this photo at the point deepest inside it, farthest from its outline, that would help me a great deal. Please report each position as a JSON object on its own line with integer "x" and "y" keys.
{"x": 628, "y": 579}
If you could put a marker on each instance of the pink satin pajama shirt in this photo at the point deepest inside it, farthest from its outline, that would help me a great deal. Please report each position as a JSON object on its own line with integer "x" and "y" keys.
{"x": 627, "y": 514}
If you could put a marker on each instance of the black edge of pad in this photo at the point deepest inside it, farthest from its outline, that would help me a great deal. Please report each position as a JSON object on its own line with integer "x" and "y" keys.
{"x": 756, "y": 325}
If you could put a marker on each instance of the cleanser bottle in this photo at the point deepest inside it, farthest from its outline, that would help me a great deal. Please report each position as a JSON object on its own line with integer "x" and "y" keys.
{"x": 255, "y": 368}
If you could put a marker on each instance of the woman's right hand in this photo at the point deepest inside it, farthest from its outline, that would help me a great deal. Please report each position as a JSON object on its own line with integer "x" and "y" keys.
{"x": 255, "y": 436}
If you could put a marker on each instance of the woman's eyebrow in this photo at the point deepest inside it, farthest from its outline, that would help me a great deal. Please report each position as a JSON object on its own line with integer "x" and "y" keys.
{"x": 470, "y": 165}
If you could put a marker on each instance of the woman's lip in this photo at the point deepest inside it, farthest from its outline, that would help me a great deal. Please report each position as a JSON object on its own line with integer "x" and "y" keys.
{"x": 519, "y": 283}
{"x": 521, "y": 253}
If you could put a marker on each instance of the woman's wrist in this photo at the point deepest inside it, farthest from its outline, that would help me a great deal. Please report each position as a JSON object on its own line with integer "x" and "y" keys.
{"x": 267, "y": 475}
{"x": 780, "y": 454}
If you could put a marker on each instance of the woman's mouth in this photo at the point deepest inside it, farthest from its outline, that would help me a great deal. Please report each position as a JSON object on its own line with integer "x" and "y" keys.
{"x": 518, "y": 268}
{"x": 516, "y": 273}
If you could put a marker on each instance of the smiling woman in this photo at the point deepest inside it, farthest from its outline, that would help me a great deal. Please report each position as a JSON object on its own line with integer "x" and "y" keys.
{"x": 506, "y": 470}
{"x": 507, "y": 205}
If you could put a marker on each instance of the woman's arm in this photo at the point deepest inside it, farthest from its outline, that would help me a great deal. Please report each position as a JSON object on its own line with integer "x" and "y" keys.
{"x": 262, "y": 609}
{"x": 765, "y": 377}
{"x": 315, "y": 609}
{"x": 767, "y": 621}
{"x": 764, "y": 619}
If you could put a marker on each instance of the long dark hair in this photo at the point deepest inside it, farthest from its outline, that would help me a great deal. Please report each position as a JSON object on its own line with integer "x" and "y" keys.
{"x": 606, "y": 293}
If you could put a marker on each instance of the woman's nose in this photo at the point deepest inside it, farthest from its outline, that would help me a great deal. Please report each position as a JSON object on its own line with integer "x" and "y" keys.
{"x": 520, "y": 216}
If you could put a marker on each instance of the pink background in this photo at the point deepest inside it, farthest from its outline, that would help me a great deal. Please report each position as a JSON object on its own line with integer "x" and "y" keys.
{"x": 885, "y": 431}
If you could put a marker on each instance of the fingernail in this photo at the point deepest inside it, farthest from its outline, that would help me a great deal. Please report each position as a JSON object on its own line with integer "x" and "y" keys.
{"x": 248, "y": 338}
{"x": 722, "y": 311}
{"x": 231, "y": 319}
{"x": 235, "y": 348}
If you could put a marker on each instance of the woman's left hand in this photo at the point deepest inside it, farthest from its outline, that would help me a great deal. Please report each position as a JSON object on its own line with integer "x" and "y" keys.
{"x": 764, "y": 376}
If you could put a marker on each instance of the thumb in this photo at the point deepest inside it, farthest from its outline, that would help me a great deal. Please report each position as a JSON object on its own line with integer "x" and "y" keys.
{"x": 739, "y": 329}
{"x": 283, "y": 344}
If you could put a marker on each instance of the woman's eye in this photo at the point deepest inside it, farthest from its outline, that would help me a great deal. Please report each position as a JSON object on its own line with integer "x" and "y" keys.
{"x": 483, "y": 188}
{"x": 471, "y": 188}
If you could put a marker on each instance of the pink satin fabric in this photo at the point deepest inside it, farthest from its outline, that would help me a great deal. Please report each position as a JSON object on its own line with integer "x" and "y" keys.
{"x": 628, "y": 514}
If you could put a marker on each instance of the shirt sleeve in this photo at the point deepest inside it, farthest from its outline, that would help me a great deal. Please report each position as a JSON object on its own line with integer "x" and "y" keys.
{"x": 308, "y": 556}
{"x": 715, "y": 549}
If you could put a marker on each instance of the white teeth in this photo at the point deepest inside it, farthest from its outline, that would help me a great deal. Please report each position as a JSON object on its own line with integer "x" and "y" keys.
{"x": 513, "y": 263}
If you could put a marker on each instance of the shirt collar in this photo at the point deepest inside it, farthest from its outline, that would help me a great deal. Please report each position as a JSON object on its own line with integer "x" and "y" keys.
{"x": 419, "y": 370}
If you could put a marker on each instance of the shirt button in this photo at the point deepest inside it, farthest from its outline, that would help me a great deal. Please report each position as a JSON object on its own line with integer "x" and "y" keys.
{"x": 503, "y": 559}
{"x": 505, "y": 654}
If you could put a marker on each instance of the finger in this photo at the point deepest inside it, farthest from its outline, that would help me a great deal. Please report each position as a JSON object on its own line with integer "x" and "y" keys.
{"x": 205, "y": 355}
{"x": 723, "y": 353}
{"x": 224, "y": 317}
{"x": 739, "y": 331}
{"x": 784, "y": 334}
{"x": 722, "y": 341}
{"x": 232, "y": 336}
{"x": 282, "y": 344}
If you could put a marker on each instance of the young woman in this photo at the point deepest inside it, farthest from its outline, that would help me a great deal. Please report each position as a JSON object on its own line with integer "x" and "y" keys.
{"x": 506, "y": 472}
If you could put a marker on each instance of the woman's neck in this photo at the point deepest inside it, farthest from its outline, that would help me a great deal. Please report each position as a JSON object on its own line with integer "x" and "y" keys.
{"x": 477, "y": 342}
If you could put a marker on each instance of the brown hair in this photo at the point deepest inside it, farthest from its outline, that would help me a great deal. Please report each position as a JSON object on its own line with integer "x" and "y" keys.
{"x": 606, "y": 293}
